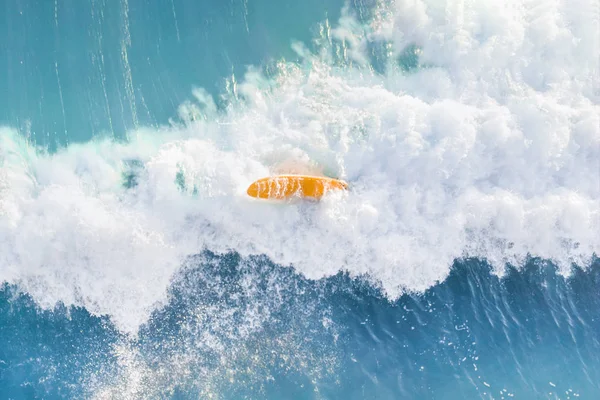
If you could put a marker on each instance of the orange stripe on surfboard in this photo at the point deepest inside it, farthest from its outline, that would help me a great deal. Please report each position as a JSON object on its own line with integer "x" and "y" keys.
{"x": 286, "y": 186}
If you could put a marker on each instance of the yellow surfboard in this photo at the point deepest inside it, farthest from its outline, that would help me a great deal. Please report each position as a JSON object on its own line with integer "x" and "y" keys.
{"x": 285, "y": 186}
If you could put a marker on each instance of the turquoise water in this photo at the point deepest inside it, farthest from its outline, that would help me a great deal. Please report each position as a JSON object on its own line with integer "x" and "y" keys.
{"x": 75, "y": 70}
{"x": 461, "y": 264}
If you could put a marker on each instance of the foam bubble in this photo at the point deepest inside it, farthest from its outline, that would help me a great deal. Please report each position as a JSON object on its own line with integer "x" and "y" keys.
{"x": 490, "y": 149}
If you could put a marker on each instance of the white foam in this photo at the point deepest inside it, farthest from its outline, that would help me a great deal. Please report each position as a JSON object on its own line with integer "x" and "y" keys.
{"x": 492, "y": 150}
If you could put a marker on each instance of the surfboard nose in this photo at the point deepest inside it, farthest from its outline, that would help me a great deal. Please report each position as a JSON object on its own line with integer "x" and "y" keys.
{"x": 253, "y": 189}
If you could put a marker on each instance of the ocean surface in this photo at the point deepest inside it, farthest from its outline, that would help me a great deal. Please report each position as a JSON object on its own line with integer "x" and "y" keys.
{"x": 461, "y": 264}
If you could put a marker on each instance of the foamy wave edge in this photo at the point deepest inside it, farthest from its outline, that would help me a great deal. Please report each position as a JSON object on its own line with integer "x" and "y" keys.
{"x": 489, "y": 148}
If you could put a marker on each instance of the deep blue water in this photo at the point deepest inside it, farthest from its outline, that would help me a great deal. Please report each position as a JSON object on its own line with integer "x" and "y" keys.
{"x": 237, "y": 327}
{"x": 530, "y": 334}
